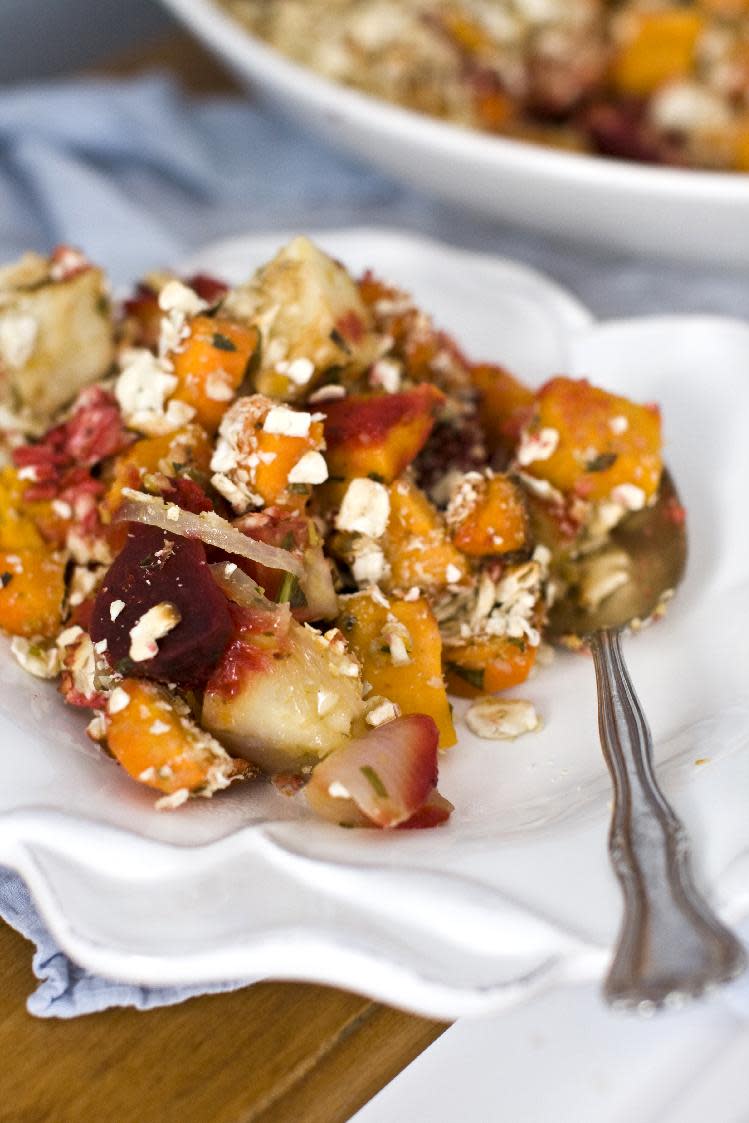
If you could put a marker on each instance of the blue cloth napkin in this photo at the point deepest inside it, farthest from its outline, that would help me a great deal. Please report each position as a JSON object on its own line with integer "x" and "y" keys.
{"x": 140, "y": 175}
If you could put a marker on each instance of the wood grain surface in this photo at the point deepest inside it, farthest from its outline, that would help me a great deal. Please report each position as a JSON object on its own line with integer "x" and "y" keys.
{"x": 272, "y": 1053}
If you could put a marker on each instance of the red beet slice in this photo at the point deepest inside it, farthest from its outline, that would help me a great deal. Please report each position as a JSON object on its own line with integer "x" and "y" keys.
{"x": 154, "y": 567}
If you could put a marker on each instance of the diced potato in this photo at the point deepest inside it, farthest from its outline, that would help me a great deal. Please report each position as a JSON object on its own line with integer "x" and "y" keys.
{"x": 485, "y": 666}
{"x": 284, "y": 702}
{"x": 657, "y": 47}
{"x": 56, "y": 336}
{"x": 309, "y": 313}
{"x": 156, "y": 741}
{"x": 32, "y": 586}
{"x": 416, "y": 544}
{"x": 379, "y": 435}
{"x": 492, "y": 519}
{"x": 504, "y": 404}
{"x": 587, "y": 442}
{"x": 417, "y": 687}
{"x": 211, "y": 366}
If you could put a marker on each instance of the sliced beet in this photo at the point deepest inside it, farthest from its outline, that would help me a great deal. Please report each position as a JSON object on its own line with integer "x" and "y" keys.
{"x": 154, "y": 567}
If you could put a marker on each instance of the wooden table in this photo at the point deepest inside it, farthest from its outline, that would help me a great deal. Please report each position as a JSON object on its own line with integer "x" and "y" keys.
{"x": 275, "y": 1052}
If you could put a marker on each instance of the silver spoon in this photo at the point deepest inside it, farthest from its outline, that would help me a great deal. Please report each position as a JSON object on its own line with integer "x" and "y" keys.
{"x": 671, "y": 945}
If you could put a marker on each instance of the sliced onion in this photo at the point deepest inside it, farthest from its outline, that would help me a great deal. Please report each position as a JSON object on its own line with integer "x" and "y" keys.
{"x": 208, "y": 527}
{"x": 239, "y": 587}
{"x": 386, "y": 776}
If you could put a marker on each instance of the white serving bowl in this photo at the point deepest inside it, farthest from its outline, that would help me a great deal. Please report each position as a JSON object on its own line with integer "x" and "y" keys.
{"x": 679, "y": 213}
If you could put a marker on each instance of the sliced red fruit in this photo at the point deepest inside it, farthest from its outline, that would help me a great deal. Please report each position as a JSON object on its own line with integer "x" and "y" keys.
{"x": 153, "y": 568}
{"x": 383, "y": 778}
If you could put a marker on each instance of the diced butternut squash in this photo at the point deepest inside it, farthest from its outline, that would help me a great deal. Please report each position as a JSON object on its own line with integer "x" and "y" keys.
{"x": 167, "y": 455}
{"x": 32, "y": 586}
{"x": 658, "y": 46}
{"x": 589, "y": 443}
{"x": 18, "y": 531}
{"x": 492, "y": 519}
{"x": 278, "y": 454}
{"x": 416, "y": 543}
{"x": 156, "y": 741}
{"x": 379, "y": 435}
{"x": 212, "y": 365}
{"x": 417, "y": 687}
{"x": 487, "y": 666}
{"x": 504, "y": 404}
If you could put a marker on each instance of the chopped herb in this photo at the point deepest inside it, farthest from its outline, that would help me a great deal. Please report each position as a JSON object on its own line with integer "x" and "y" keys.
{"x": 102, "y": 305}
{"x": 149, "y": 560}
{"x": 299, "y": 489}
{"x": 222, "y": 342}
{"x": 347, "y": 826}
{"x": 378, "y": 479}
{"x": 5, "y": 579}
{"x": 517, "y": 642}
{"x": 336, "y": 479}
{"x": 286, "y": 591}
{"x": 339, "y": 341}
{"x": 376, "y": 783}
{"x": 602, "y": 462}
{"x": 287, "y": 543}
{"x": 124, "y": 666}
{"x": 472, "y": 675}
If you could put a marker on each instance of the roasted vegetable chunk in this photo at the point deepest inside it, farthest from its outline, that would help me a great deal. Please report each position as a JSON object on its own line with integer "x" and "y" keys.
{"x": 211, "y": 366}
{"x": 32, "y": 586}
{"x": 152, "y": 735}
{"x": 586, "y": 442}
{"x": 283, "y": 695}
{"x": 160, "y": 610}
{"x": 487, "y": 516}
{"x": 398, "y": 644}
{"x": 504, "y": 405}
{"x": 379, "y": 435}
{"x": 416, "y": 544}
{"x": 485, "y": 666}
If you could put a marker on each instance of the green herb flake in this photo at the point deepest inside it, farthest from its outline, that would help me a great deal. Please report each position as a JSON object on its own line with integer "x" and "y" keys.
{"x": 602, "y": 462}
{"x": 472, "y": 675}
{"x": 5, "y": 579}
{"x": 299, "y": 489}
{"x": 287, "y": 542}
{"x": 124, "y": 666}
{"x": 103, "y": 306}
{"x": 378, "y": 479}
{"x": 222, "y": 342}
{"x": 287, "y": 588}
{"x": 374, "y": 780}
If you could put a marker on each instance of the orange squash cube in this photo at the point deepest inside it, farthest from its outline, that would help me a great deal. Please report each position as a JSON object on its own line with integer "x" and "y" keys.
{"x": 212, "y": 365}
{"x": 486, "y": 666}
{"x": 167, "y": 455}
{"x": 492, "y": 519}
{"x": 416, "y": 545}
{"x": 157, "y": 743}
{"x": 378, "y": 435}
{"x": 504, "y": 404}
{"x": 417, "y": 687}
{"x": 658, "y": 47}
{"x": 32, "y": 586}
{"x": 587, "y": 442}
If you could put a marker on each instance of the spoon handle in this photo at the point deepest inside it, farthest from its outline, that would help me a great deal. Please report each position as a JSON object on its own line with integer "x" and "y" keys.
{"x": 671, "y": 944}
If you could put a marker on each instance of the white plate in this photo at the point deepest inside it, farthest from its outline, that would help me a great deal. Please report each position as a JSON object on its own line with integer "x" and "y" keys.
{"x": 516, "y": 891}
{"x": 693, "y": 215}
